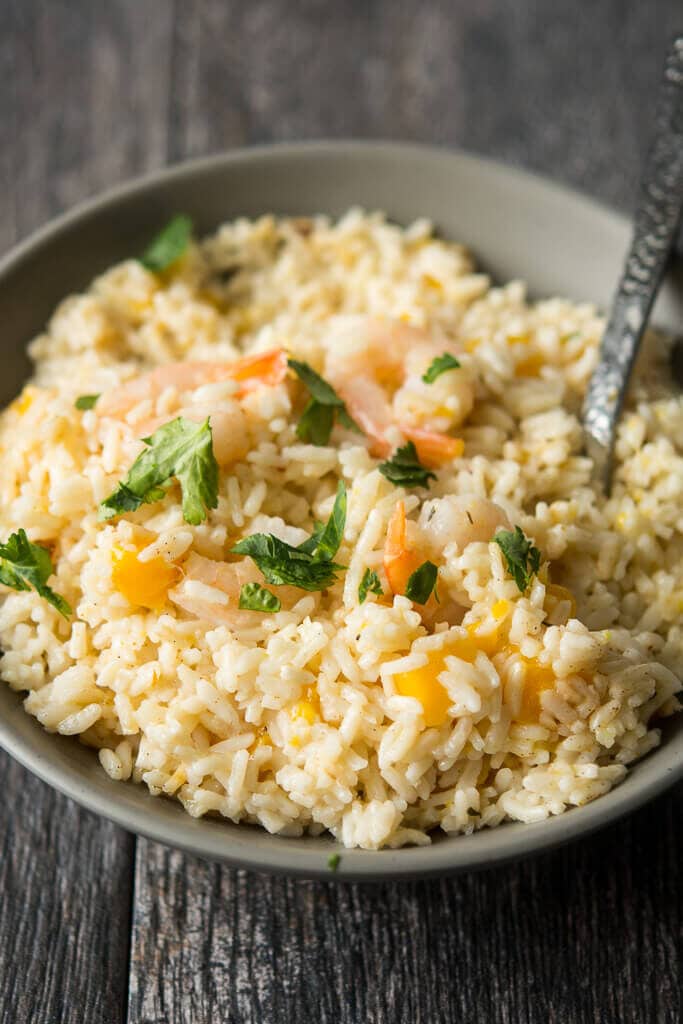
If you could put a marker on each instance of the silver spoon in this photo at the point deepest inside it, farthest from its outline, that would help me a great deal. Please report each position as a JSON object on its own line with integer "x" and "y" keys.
{"x": 655, "y": 228}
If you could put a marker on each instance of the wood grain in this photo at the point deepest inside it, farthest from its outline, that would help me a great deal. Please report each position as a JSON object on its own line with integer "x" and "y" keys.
{"x": 65, "y": 900}
{"x": 73, "y": 81}
{"x": 590, "y": 933}
{"x": 94, "y": 93}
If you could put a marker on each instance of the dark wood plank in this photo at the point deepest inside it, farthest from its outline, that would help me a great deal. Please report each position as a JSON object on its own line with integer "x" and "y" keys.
{"x": 590, "y": 933}
{"x": 565, "y": 89}
{"x": 76, "y": 114}
{"x": 65, "y": 898}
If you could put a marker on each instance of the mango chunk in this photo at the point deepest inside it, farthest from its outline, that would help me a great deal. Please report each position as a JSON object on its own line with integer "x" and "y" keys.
{"x": 142, "y": 583}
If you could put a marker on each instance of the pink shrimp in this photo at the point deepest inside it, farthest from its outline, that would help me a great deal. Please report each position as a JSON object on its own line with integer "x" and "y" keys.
{"x": 231, "y": 440}
{"x": 377, "y": 367}
{"x": 463, "y": 519}
{"x": 210, "y": 591}
{"x": 228, "y": 422}
{"x": 402, "y": 556}
{"x": 266, "y": 369}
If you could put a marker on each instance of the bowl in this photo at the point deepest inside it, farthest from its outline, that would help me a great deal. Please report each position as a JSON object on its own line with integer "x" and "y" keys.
{"x": 517, "y": 226}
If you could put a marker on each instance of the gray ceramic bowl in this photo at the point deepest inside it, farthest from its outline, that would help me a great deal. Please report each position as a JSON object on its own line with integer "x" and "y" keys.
{"x": 518, "y": 226}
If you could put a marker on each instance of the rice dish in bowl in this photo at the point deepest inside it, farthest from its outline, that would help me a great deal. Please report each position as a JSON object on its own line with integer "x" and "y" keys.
{"x": 473, "y": 634}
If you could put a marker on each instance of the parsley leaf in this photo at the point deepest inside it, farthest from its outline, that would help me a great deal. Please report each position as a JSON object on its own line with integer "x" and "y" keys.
{"x": 523, "y": 559}
{"x": 283, "y": 565}
{"x": 324, "y": 407}
{"x": 326, "y": 538}
{"x": 308, "y": 566}
{"x": 255, "y": 598}
{"x": 370, "y": 584}
{"x": 311, "y": 544}
{"x": 318, "y": 387}
{"x": 422, "y": 582}
{"x": 24, "y": 565}
{"x": 405, "y": 469}
{"x": 168, "y": 246}
{"x": 84, "y": 402}
{"x": 182, "y": 449}
{"x": 315, "y": 424}
{"x": 439, "y": 365}
{"x": 333, "y": 861}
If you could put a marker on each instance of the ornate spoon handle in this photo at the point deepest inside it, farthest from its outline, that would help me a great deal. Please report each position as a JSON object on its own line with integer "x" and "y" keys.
{"x": 654, "y": 234}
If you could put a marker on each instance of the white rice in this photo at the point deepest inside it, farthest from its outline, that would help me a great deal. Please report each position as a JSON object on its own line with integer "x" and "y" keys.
{"x": 294, "y": 720}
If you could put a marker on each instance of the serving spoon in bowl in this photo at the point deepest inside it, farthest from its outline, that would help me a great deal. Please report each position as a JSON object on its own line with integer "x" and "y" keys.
{"x": 655, "y": 229}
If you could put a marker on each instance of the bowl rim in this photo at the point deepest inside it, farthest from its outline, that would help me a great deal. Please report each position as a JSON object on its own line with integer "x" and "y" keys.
{"x": 275, "y": 854}
{"x": 266, "y": 151}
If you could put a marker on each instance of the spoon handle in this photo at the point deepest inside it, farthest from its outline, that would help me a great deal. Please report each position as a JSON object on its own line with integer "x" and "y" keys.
{"x": 654, "y": 234}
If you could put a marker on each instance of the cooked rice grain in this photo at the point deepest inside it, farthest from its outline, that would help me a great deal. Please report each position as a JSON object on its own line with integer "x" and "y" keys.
{"x": 294, "y": 720}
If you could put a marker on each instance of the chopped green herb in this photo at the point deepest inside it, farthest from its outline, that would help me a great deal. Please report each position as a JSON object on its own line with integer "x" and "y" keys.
{"x": 308, "y": 566}
{"x": 523, "y": 559}
{"x": 324, "y": 542}
{"x": 84, "y": 402}
{"x": 24, "y": 565}
{"x": 180, "y": 449}
{"x": 325, "y": 406}
{"x": 370, "y": 584}
{"x": 316, "y": 423}
{"x": 318, "y": 387}
{"x": 439, "y": 365}
{"x": 333, "y": 861}
{"x": 168, "y": 246}
{"x": 282, "y": 565}
{"x": 405, "y": 469}
{"x": 255, "y": 598}
{"x": 309, "y": 546}
{"x": 422, "y": 583}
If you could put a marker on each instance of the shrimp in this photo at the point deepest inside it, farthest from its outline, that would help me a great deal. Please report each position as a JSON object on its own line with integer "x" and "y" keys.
{"x": 266, "y": 369}
{"x": 229, "y": 432}
{"x": 462, "y": 519}
{"x": 377, "y": 366}
{"x": 402, "y": 557}
{"x": 210, "y": 591}
{"x": 228, "y": 421}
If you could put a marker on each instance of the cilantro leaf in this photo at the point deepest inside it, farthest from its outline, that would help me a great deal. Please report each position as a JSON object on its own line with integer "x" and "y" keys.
{"x": 405, "y": 469}
{"x": 523, "y": 559}
{"x": 180, "y": 449}
{"x": 24, "y": 565}
{"x": 324, "y": 407}
{"x": 255, "y": 598}
{"x": 370, "y": 584}
{"x": 422, "y": 582}
{"x": 439, "y": 365}
{"x": 169, "y": 245}
{"x": 84, "y": 402}
{"x": 308, "y": 566}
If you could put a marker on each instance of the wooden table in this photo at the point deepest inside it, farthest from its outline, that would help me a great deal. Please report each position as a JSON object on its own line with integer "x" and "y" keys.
{"x": 96, "y": 926}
